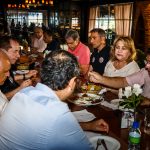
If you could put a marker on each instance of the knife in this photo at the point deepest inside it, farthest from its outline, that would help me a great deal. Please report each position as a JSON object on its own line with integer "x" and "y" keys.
{"x": 104, "y": 144}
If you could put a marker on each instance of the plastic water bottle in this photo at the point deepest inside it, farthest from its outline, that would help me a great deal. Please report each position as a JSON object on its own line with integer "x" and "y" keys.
{"x": 134, "y": 137}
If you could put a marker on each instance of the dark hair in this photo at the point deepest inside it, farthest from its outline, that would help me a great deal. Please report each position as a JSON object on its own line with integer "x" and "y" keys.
{"x": 1, "y": 29}
{"x": 5, "y": 42}
{"x": 48, "y": 32}
{"x": 148, "y": 51}
{"x": 58, "y": 68}
{"x": 73, "y": 34}
{"x": 100, "y": 31}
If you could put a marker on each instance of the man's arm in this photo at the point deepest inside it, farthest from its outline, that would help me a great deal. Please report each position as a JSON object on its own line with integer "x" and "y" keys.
{"x": 114, "y": 82}
{"x": 145, "y": 102}
{"x": 97, "y": 125}
{"x": 84, "y": 69}
{"x": 24, "y": 84}
{"x": 31, "y": 73}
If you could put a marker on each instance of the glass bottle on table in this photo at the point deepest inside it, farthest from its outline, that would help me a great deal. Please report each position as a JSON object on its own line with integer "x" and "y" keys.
{"x": 25, "y": 45}
{"x": 134, "y": 137}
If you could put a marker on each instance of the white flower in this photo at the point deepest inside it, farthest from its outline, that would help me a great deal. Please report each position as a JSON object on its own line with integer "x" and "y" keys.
{"x": 136, "y": 86}
{"x": 120, "y": 94}
{"x": 131, "y": 95}
{"x": 137, "y": 89}
{"x": 127, "y": 91}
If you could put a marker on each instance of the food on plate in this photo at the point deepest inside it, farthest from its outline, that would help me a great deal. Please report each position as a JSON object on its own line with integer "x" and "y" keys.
{"x": 86, "y": 99}
{"x": 90, "y": 87}
{"x": 23, "y": 67}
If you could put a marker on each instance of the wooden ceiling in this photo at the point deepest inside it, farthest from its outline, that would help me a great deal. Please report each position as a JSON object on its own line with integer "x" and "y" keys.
{"x": 89, "y": 1}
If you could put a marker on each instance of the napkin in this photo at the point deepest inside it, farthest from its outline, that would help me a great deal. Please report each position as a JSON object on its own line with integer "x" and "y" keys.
{"x": 83, "y": 115}
{"x": 90, "y": 134}
{"x": 109, "y": 105}
{"x": 102, "y": 91}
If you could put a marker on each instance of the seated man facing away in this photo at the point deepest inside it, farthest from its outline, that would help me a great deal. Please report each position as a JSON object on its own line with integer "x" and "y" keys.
{"x": 38, "y": 117}
{"x": 4, "y": 73}
{"x": 142, "y": 78}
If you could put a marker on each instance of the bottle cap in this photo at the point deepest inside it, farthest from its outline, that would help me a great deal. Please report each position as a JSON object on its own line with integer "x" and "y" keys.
{"x": 135, "y": 124}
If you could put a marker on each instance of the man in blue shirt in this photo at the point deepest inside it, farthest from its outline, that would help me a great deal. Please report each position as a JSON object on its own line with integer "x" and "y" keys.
{"x": 38, "y": 117}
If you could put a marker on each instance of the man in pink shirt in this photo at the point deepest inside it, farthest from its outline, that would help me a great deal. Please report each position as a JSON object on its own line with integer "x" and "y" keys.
{"x": 78, "y": 49}
{"x": 142, "y": 78}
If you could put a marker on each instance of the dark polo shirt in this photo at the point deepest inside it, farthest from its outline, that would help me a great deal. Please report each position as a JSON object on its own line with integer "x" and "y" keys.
{"x": 9, "y": 84}
{"x": 99, "y": 60}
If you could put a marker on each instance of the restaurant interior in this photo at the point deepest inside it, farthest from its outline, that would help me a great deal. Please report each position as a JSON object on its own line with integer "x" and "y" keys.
{"x": 83, "y": 15}
{"x": 115, "y": 17}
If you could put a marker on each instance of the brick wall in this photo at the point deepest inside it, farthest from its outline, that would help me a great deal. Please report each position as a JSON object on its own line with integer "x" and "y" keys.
{"x": 142, "y": 9}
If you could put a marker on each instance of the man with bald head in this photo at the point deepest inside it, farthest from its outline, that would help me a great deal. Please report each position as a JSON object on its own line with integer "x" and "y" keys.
{"x": 4, "y": 73}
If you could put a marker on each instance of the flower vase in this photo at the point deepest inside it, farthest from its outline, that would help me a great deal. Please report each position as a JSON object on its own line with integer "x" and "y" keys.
{"x": 128, "y": 118}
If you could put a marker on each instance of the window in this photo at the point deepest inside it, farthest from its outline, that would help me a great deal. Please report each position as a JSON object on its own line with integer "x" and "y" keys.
{"x": 113, "y": 18}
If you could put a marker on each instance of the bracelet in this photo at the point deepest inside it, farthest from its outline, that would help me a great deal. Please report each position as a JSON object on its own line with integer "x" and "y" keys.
{"x": 24, "y": 76}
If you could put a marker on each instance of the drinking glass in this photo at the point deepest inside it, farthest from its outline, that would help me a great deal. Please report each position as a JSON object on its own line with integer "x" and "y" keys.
{"x": 147, "y": 121}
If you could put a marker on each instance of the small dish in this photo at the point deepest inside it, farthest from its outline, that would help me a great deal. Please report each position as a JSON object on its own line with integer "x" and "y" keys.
{"x": 86, "y": 99}
{"x": 34, "y": 55}
{"x": 22, "y": 71}
{"x": 111, "y": 143}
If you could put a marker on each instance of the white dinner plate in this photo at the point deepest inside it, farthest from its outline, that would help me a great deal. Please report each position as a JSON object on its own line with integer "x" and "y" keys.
{"x": 86, "y": 99}
{"x": 22, "y": 71}
{"x": 34, "y": 55}
{"x": 111, "y": 143}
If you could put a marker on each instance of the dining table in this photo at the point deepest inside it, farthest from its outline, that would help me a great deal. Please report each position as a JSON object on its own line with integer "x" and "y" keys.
{"x": 113, "y": 118}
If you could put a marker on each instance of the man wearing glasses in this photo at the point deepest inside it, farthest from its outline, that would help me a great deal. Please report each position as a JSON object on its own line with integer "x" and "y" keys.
{"x": 78, "y": 49}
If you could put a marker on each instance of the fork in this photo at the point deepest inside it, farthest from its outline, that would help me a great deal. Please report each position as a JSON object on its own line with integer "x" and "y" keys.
{"x": 104, "y": 144}
{"x": 98, "y": 144}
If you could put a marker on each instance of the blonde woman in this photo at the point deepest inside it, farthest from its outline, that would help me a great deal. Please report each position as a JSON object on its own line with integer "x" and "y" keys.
{"x": 123, "y": 55}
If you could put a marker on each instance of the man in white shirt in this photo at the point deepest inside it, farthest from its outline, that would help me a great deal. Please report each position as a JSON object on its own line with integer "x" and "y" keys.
{"x": 4, "y": 73}
{"x": 39, "y": 116}
{"x": 37, "y": 42}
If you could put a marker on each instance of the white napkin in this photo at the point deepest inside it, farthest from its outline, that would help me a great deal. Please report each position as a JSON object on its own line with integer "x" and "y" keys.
{"x": 109, "y": 105}
{"x": 83, "y": 115}
{"x": 102, "y": 91}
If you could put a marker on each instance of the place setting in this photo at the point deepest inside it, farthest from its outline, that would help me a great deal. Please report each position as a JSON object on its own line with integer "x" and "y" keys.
{"x": 102, "y": 142}
{"x": 86, "y": 99}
